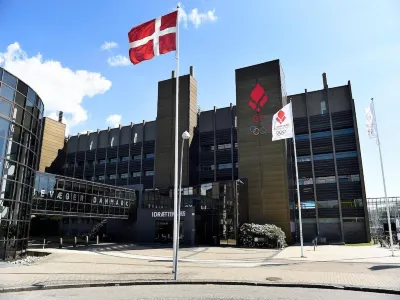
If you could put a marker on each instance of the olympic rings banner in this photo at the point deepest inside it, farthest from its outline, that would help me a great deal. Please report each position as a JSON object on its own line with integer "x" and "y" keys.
{"x": 282, "y": 123}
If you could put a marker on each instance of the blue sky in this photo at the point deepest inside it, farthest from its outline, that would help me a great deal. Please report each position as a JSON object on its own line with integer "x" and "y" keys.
{"x": 354, "y": 40}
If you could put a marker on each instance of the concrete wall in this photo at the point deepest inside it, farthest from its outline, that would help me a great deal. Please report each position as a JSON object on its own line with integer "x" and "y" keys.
{"x": 52, "y": 142}
{"x": 262, "y": 161}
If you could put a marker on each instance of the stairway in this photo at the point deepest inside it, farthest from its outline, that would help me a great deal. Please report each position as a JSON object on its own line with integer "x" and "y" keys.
{"x": 95, "y": 230}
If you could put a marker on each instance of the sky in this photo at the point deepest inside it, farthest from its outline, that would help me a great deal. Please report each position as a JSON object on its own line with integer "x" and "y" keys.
{"x": 74, "y": 54}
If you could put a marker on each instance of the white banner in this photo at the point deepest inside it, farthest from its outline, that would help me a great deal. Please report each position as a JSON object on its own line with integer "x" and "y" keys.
{"x": 282, "y": 123}
{"x": 370, "y": 121}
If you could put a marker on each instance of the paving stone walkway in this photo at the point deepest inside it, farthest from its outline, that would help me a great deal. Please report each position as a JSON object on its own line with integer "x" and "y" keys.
{"x": 123, "y": 263}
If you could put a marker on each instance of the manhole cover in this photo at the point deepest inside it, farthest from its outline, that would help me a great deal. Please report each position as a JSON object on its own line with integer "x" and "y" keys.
{"x": 273, "y": 278}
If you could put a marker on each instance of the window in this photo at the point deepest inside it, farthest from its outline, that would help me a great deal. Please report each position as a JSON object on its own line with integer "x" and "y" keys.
{"x": 224, "y": 146}
{"x": 19, "y": 99}
{"x": 136, "y": 174}
{"x": 81, "y": 163}
{"x": 320, "y": 134}
{"x": 236, "y": 145}
{"x": 22, "y": 88}
{"x": 90, "y": 162}
{"x": 101, "y": 161}
{"x": 7, "y": 92}
{"x": 5, "y": 107}
{"x": 349, "y": 178}
{"x": 346, "y": 154}
{"x": 149, "y": 173}
{"x": 207, "y": 168}
{"x": 124, "y": 176}
{"x": 212, "y": 148}
{"x": 124, "y": 158}
{"x": 327, "y": 179}
{"x": 207, "y": 148}
{"x": 100, "y": 177}
{"x": 323, "y": 107}
{"x": 305, "y": 181}
{"x": 137, "y": 157}
{"x": 343, "y": 131}
{"x": 91, "y": 145}
{"x": 112, "y": 176}
{"x": 31, "y": 96}
{"x": 328, "y": 204}
{"x": 112, "y": 142}
{"x": 90, "y": 178}
{"x": 304, "y": 158}
{"x": 225, "y": 166}
{"x": 113, "y": 160}
{"x": 301, "y": 137}
{"x": 323, "y": 156}
{"x": 10, "y": 80}
{"x": 236, "y": 165}
{"x": 150, "y": 155}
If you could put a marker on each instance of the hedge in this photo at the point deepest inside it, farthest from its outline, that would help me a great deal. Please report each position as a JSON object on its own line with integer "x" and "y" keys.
{"x": 262, "y": 236}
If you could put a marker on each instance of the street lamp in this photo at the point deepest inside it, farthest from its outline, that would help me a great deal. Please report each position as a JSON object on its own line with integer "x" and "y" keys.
{"x": 185, "y": 136}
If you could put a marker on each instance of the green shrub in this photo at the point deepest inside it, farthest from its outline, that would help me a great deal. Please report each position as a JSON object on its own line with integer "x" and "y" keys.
{"x": 262, "y": 236}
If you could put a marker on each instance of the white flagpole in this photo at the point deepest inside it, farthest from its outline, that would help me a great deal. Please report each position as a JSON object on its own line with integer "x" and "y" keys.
{"x": 297, "y": 183}
{"x": 175, "y": 235}
{"x": 383, "y": 176}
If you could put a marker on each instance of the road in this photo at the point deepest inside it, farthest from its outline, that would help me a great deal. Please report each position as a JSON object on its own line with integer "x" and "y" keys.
{"x": 195, "y": 292}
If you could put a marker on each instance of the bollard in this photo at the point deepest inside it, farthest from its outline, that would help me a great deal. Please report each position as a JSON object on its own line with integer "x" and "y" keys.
{"x": 44, "y": 242}
{"x": 97, "y": 240}
{"x": 74, "y": 241}
{"x": 61, "y": 243}
{"x": 87, "y": 240}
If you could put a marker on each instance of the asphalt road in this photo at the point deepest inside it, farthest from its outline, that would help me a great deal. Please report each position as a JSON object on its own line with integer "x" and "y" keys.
{"x": 195, "y": 292}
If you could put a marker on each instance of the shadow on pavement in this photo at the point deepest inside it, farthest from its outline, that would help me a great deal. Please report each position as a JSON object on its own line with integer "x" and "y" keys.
{"x": 384, "y": 267}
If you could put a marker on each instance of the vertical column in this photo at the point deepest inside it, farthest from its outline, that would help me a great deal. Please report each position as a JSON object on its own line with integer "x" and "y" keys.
{"x": 129, "y": 154}
{"x": 199, "y": 148}
{"x": 312, "y": 161}
{"x": 141, "y": 150}
{"x": 326, "y": 94}
{"x": 76, "y": 151}
{"x": 95, "y": 155}
{"x": 215, "y": 143}
{"x": 106, "y": 159}
{"x": 232, "y": 142}
{"x": 84, "y": 161}
{"x": 116, "y": 166}
{"x": 360, "y": 165}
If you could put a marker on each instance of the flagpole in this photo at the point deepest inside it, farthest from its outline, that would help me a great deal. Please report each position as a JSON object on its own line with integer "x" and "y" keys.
{"x": 297, "y": 183}
{"x": 383, "y": 177}
{"x": 175, "y": 234}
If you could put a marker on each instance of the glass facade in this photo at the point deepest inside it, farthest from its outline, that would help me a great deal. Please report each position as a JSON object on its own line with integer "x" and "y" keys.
{"x": 65, "y": 196}
{"x": 21, "y": 113}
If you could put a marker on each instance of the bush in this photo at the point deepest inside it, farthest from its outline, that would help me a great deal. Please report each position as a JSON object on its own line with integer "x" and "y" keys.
{"x": 263, "y": 236}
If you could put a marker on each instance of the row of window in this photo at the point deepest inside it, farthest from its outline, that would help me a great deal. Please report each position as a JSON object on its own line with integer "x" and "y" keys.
{"x": 120, "y": 176}
{"x": 329, "y": 179}
{"x": 325, "y": 156}
{"x": 13, "y": 83}
{"x": 110, "y": 160}
{"x": 325, "y": 134}
{"x": 219, "y": 147}
{"x": 220, "y": 167}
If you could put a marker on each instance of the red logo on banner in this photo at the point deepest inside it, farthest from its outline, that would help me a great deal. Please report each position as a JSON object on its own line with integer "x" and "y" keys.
{"x": 281, "y": 117}
{"x": 258, "y": 98}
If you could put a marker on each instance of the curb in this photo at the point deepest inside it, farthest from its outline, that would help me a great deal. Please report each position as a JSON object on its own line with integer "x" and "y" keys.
{"x": 214, "y": 282}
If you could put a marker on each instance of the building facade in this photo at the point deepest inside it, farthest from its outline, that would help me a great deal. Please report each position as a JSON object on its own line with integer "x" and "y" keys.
{"x": 21, "y": 113}
{"x": 234, "y": 142}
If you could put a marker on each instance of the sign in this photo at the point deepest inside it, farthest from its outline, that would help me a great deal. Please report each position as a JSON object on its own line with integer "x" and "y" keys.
{"x": 258, "y": 98}
{"x": 82, "y": 198}
{"x": 165, "y": 214}
{"x": 282, "y": 123}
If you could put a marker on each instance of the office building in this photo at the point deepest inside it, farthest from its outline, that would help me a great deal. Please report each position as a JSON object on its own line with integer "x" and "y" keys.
{"x": 234, "y": 142}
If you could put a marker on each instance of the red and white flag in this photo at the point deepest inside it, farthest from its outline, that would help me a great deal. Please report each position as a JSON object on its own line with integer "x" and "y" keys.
{"x": 153, "y": 38}
{"x": 282, "y": 123}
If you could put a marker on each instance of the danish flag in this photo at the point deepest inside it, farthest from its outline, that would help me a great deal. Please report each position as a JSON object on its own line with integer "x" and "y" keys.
{"x": 153, "y": 38}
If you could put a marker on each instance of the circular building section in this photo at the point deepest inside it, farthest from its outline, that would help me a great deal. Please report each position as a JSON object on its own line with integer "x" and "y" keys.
{"x": 21, "y": 113}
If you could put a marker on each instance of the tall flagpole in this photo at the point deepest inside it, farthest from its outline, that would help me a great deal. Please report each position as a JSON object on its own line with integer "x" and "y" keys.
{"x": 175, "y": 235}
{"x": 297, "y": 182}
{"x": 383, "y": 177}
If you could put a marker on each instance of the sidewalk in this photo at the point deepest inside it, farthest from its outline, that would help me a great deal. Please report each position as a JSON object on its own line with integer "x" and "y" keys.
{"x": 249, "y": 265}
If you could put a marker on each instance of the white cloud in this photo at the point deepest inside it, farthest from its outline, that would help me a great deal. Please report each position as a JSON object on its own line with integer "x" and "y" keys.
{"x": 108, "y": 45}
{"x": 118, "y": 61}
{"x": 114, "y": 120}
{"x": 195, "y": 17}
{"x": 60, "y": 88}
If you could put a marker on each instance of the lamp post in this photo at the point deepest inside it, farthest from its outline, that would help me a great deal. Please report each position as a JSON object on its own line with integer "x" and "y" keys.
{"x": 185, "y": 136}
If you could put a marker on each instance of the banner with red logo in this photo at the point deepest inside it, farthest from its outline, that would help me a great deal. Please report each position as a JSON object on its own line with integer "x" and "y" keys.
{"x": 282, "y": 124}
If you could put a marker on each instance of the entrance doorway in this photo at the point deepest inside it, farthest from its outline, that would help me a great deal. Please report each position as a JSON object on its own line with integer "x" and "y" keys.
{"x": 164, "y": 231}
